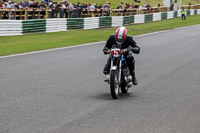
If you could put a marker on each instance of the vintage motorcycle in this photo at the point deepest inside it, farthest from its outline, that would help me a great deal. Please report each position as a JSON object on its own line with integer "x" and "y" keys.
{"x": 119, "y": 72}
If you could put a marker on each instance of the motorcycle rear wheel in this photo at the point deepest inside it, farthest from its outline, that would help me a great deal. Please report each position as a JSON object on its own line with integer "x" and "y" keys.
{"x": 124, "y": 88}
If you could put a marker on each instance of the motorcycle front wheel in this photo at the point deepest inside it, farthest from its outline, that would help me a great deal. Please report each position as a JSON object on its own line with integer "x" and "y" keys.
{"x": 114, "y": 84}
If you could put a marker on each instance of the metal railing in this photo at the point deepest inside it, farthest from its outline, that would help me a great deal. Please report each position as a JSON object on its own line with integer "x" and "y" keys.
{"x": 20, "y": 14}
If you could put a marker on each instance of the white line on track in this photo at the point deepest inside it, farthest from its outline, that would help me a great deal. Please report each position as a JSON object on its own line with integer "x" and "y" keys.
{"x": 42, "y": 51}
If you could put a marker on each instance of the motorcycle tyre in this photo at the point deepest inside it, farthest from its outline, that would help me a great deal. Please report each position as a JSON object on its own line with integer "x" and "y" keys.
{"x": 113, "y": 75}
{"x": 124, "y": 89}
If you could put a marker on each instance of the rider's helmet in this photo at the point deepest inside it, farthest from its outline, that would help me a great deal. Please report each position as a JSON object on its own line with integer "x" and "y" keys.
{"x": 121, "y": 34}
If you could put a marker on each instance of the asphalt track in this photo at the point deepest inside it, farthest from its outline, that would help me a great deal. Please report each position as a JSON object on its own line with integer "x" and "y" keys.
{"x": 62, "y": 91}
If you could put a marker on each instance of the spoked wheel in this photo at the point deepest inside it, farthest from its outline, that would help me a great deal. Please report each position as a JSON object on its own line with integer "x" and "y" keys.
{"x": 114, "y": 84}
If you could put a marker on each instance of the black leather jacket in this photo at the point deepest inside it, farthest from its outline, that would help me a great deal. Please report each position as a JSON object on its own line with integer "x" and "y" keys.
{"x": 128, "y": 44}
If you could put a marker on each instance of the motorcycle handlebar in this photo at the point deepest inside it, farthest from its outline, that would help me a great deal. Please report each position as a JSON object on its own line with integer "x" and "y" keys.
{"x": 123, "y": 51}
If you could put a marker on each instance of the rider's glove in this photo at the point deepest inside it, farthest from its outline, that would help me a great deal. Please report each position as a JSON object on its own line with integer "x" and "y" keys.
{"x": 136, "y": 50}
{"x": 106, "y": 51}
{"x": 124, "y": 51}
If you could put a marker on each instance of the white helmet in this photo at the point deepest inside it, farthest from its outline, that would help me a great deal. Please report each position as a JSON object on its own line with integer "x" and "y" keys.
{"x": 121, "y": 34}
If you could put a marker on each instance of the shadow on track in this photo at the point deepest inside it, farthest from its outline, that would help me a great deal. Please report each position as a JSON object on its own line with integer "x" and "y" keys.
{"x": 107, "y": 96}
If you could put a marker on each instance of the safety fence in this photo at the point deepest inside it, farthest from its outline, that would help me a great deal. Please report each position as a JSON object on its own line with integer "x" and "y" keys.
{"x": 20, "y": 14}
{"x": 36, "y": 13}
{"x": 20, "y": 27}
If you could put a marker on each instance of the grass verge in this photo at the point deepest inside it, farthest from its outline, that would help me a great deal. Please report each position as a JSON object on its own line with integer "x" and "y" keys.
{"x": 27, "y": 43}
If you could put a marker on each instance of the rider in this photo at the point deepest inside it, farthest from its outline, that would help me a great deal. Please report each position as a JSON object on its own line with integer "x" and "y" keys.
{"x": 127, "y": 43}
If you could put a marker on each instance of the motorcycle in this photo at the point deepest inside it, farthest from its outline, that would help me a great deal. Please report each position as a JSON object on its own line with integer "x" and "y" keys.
{"x": 119, "y": 73}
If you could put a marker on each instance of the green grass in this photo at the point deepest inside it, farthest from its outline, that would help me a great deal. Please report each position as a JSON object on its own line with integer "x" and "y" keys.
{"x": 27, "y": 43}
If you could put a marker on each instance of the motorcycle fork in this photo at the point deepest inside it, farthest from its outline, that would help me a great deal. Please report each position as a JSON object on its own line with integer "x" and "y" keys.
{"x": 119, "y": 68}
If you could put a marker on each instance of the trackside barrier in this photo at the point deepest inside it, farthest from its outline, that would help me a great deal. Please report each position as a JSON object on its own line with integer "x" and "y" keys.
{"x": 148, "y": 18}
{"x": 175, "y": 14}
{"x": 20, "y": 27}
{"x": 163, "y": 16}
{"x": 117, "y": 21}
{"x": 91, "y": 23}
{"x": 192, "y": 12}
{"x": 128, "y": 20}
{"x": 187, "y": 12}
{"x": 75, "y": 23}
{"x": 55, "y": 25}
{"x": 34, "y": 26}
{"x": 10, "y": 27}
{"x": 198, "y": 11}
{"x": 157, "y": 16}
{"x": 139, "y": 19}
{"x": 170, "y": 15}
{"x": 105, "y": 22}
{"x": 195, "y": 12}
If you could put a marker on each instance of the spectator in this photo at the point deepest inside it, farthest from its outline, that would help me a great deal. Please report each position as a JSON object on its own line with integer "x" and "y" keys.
{"x": 58, "y": 9}
{"x": 82, "y": 6}
{"x": 148, "y": 6}
{"x": 106, "y": 5}
{"x": 171, "y": 6}
{"x": 108, "y": 8}
{"x": 20, "y": 5}
{"x": 34, "y": 5}
{"x": 145, "y": 5}
{"x": 95, "y": 5}
{"x": 42, "y": 6}
{"x": 30, "y": 2}
{"x": 1, "y": 5}
{"x": 131, "y": 6}
{"x": 137, "y": 6}
{"x": 50, "y": 4}
{"x": 100, "y": 6}
{"x": 158, "y": 4}
{"x": 78, "y": 5}
{"x": 127, "y": 6}
{"x": 137, "y": 1}
{"x": 91, "y": 6}
{"x": 63, "y": 10}
{"x": 71, "y": 9}
{"x": 120, "y": 6}
{"x": 189, "y": 5}
{"x": 140, "y": 9}
{"x": 25, "y": 5}
{"x": 5, "y": 5}
{"x": 5, "y": 14}
{"x": 183, "y": 14}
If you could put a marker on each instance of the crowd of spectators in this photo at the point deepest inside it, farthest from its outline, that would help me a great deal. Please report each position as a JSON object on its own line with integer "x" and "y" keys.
{"x": 65, "y": 8}
{"x": 9, "y": 4}
{"x": 133, "y": 6}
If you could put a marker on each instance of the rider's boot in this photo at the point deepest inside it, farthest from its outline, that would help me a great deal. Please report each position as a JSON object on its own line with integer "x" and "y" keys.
{"x": 107, "y": 78}
{"x": 106, "y": 70}
{"x": 134, "y": 80}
